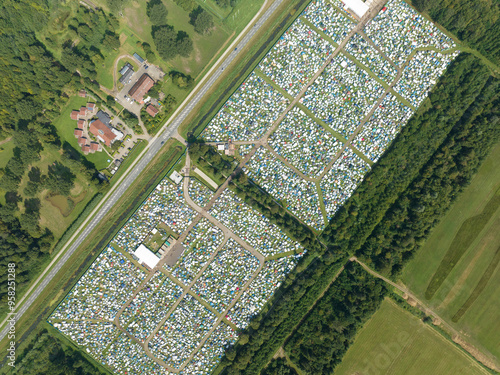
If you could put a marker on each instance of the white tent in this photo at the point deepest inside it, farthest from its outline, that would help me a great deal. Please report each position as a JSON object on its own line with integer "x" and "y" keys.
{"x": 357, "y": 6}
{"x": 146, "y": 256}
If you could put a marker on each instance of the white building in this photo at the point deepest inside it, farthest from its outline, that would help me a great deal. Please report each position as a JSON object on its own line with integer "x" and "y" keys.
{"x": 146, "y": 256}
{"x": 358, "y": 7}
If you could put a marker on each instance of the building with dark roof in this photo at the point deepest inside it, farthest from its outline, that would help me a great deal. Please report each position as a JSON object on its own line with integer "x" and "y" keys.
{"x": 141, "y": 88}
{"x": 138, "y": 58}
{"x": 104, "y": 117}
{"x": 126, "y": 73}
{"x": 151, "y": 110}
{"x": 124, "y": 79}
{"x": 126, "y": 68}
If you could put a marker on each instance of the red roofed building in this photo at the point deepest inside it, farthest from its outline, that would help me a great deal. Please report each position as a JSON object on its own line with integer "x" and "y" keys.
{"x": 78, "y": 133}
{"x": 141, "y": 88}
{"x": 74, "y": 115}
{"x": 81, "y": 124}
{"x": 94, "y": 146}
{"x": 91, "y": 107}
{"x": 83, "y": 111}
{"x": 85, "y": 149}
{"x": 82, "y": 93}
{"x": 152, "y": 110}
{"x": 102, "y": 132}
{"x": 82, "y": 140}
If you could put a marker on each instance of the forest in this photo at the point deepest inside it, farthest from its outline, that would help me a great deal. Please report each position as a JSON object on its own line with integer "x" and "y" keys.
{"x": 34, "y": 86}
{"x": 477, "y": 24}
{"x": 328, "y": 330}
{"x": 47, "y": 355}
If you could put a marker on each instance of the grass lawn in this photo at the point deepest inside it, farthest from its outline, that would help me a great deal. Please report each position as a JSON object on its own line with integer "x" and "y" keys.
{"x": 466, "y": 240}
{"x": 395, "y": 342}
{"x": 6, "y": 153}
{"x": 65, "y": 127}
{"x": 242, "y": 14}
{"x": 205, "y": 46}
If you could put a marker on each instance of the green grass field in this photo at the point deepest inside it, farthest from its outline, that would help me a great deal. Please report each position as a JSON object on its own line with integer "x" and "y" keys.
{"x": 394, "y": 342}
{"x": 460, "y": 258}
{"x": 6, "y": 152}
{"x": 65, "y": 127}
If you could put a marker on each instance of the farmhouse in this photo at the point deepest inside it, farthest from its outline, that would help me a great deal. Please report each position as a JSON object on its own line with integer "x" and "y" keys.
{"x": 141, "y": 88}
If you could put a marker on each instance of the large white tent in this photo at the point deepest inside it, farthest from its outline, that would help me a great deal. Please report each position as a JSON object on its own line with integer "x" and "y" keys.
{"x": 357, "y": 6}
{"x": 146, "y": 256}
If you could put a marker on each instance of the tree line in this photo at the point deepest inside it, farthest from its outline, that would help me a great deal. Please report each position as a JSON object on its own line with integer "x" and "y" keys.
{"x": 47, "y": 355}
{"x": 477, "y": 24}
{"x": 410, "y": 219}
{"x": 323, "y": 337}
{"x": 34, "y": 89}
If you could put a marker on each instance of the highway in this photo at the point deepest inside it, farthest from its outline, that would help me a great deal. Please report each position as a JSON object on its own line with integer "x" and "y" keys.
{"x": 150, "y": 152}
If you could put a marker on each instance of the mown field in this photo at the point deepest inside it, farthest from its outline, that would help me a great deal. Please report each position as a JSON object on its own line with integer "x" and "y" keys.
{"x": 395, "y": 342}
{"x": 456, "y": 270}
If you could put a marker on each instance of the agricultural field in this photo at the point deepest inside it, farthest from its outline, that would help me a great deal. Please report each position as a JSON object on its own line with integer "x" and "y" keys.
{"x": 395, "y": 342}
{"x": 456, "y": 270}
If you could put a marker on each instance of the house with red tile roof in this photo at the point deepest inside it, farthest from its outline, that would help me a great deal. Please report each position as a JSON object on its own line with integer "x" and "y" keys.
{"x": 82, "y": 140}
{"x": 104, "y": 133}
{"x": 141, "y": 88}
{"x": 78, "y": 132}
{"x": 151, "y": 110}
{"x": 74, "y": 115}
{"x": 94, "y": 146}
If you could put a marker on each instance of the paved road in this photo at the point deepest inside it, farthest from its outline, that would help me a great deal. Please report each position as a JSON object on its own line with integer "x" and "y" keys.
{"x": 153, "y": 149}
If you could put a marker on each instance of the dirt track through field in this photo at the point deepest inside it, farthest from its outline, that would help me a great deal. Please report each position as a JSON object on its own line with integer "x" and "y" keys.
{"x": 486, "y": 358}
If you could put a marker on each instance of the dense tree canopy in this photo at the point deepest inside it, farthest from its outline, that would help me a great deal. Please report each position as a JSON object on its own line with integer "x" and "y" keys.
{"x": 46, "y": 355}
{"x": 170, "y": 43}
{"x": 478, "y": 24}
{"x": 201, "y": 20}
{"x": 157, "y": 12}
